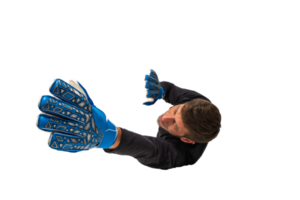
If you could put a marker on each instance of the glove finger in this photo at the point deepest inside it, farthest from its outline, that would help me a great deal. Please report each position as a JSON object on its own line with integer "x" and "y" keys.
{"x": 52, "y": 123}
{"x": 151, "y": 86}
{"x": 153, "y": 74}
{"x": 39, "y": 129}
{"x": 150, "y": 76}
{"x": 69, "y": 143}
{"x": 68, "y": 93}
{"x": 75, "y": 84}
{"x": 145, "y": 77}
{"x": 50, "y": 105}
{"x": 153, "y": 70}
{"x": 152, "y": 93}
{"x": 79, "y": 87}
{"x": 148, "y": 103}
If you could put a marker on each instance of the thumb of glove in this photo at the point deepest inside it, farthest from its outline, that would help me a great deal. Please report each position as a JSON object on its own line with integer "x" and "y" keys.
{"x": 79, "y": 87}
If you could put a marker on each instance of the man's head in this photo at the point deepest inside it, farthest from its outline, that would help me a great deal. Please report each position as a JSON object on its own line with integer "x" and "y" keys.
{"x": 172, "y": 122}
{"x": 195, "y": 121}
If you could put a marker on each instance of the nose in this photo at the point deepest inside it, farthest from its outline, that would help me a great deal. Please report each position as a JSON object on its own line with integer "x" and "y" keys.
{"x": 168, "y": 119}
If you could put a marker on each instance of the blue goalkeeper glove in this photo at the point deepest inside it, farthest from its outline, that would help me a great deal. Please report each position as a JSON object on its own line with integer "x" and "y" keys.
{"x": 154, "y": 89}
{"x": 75, "y": 122}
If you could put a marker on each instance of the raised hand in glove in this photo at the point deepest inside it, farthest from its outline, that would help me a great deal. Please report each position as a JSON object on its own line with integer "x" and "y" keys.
{"x": 154, "y": 89}
{"x": 75, "y": 122}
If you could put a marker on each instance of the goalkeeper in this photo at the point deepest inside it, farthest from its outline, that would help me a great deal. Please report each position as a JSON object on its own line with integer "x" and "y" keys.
{"x": 183, "y": 134}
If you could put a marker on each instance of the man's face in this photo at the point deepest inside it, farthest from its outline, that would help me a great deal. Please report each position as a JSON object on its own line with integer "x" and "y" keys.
{"x": 171, "y": 121}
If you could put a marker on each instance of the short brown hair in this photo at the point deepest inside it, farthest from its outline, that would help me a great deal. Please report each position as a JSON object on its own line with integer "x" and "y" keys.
{"x": 202, "y": 119}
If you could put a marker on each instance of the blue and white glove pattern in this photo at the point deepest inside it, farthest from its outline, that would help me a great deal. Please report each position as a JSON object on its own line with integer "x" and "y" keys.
{"x": 75, "y": 122}
{"x": 154, "y": 89}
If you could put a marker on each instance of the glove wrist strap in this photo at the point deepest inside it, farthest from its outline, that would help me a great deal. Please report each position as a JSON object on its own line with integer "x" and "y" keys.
{"x": 110, "y": 136}
{"x": 161, "y": 93}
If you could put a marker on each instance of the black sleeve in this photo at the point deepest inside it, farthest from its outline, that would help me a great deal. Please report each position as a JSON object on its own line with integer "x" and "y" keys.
{"x": 150, "y": 151}
{"x": 176, "y": 95}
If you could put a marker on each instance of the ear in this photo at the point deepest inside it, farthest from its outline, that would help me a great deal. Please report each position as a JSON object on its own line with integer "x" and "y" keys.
{"x": 187, "y": 140}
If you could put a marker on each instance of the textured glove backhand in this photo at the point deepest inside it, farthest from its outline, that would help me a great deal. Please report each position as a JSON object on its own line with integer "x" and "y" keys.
{"x": 76, "y": 124}
{"x": 154, "y": 89}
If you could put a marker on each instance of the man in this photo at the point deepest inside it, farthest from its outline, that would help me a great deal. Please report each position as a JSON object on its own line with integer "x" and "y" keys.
{"x": 171, "y": 148}
{"x": 184, "y": 130}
